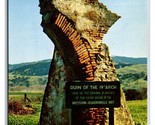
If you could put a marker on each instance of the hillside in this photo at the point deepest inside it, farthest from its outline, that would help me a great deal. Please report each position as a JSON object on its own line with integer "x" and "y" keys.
{"x": 132, "y": 73}
{"x": 129, "y": 60}
{"x": 40, "y": 68}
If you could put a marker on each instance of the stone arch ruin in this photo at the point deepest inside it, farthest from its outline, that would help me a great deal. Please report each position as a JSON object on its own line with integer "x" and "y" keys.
{"x": 77, "y": 28}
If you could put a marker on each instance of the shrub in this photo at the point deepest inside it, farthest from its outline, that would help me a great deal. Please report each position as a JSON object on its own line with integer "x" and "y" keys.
{"x": 16, "y": 107}
{"x": 136, "y": 94}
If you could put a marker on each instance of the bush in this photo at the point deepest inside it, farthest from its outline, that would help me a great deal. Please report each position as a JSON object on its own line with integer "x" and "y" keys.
{"x": 136, "y": 94}
{"x": 16, "y": 107}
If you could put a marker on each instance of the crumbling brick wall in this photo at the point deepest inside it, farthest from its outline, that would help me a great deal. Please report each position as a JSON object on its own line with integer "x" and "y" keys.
{"x": 77, "y": 28}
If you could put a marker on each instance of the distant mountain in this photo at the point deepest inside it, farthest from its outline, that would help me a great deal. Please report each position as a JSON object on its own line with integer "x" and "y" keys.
{"x": 129, "y": 60}
{"x": 41, "y": 68}
{"x": 132, "y": 73}
{"x": 38, "y": 68}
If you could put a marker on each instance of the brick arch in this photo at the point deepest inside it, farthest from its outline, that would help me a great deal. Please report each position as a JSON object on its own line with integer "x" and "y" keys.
{"x": 83, "y": 59}
{"x": 74, "y": 49}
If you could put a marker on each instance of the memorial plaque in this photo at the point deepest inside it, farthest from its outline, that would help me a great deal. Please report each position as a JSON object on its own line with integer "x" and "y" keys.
{"x": 92, "y": 94}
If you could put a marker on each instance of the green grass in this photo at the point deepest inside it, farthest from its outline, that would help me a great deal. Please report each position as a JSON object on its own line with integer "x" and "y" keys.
{"x": 138, "y": 109}
{"x": 36, "y": 101}
{"x": 35, "y": 97}
{"x": 32, "y": 119}
{"x": 14, "y": 93}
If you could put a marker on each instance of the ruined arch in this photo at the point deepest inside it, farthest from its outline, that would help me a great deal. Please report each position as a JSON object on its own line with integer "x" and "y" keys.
{"x": 79, "y": 55}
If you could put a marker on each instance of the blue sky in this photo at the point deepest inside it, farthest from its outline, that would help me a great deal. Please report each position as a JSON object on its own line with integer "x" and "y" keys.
{"x": 27, "y": 42}
{"x": 129, "y": 36}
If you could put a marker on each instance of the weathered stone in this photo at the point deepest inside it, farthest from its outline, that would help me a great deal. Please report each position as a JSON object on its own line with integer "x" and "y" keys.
{"x": 77, "y": 27}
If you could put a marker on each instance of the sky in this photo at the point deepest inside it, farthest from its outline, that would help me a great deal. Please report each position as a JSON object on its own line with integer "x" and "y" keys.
{"x": 129, "y": 36}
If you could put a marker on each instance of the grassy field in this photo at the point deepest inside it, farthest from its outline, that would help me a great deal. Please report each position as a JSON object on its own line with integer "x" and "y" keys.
{"x": 137, "y": 108}
{"x": 27, "y": 119}
{"x": 32, "y": 119}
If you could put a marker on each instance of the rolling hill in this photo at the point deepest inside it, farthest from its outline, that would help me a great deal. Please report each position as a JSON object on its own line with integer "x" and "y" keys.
{"x": 40, "y": 68}
{"x": 129, "y": 60}
{"x": 132, "y": 73}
